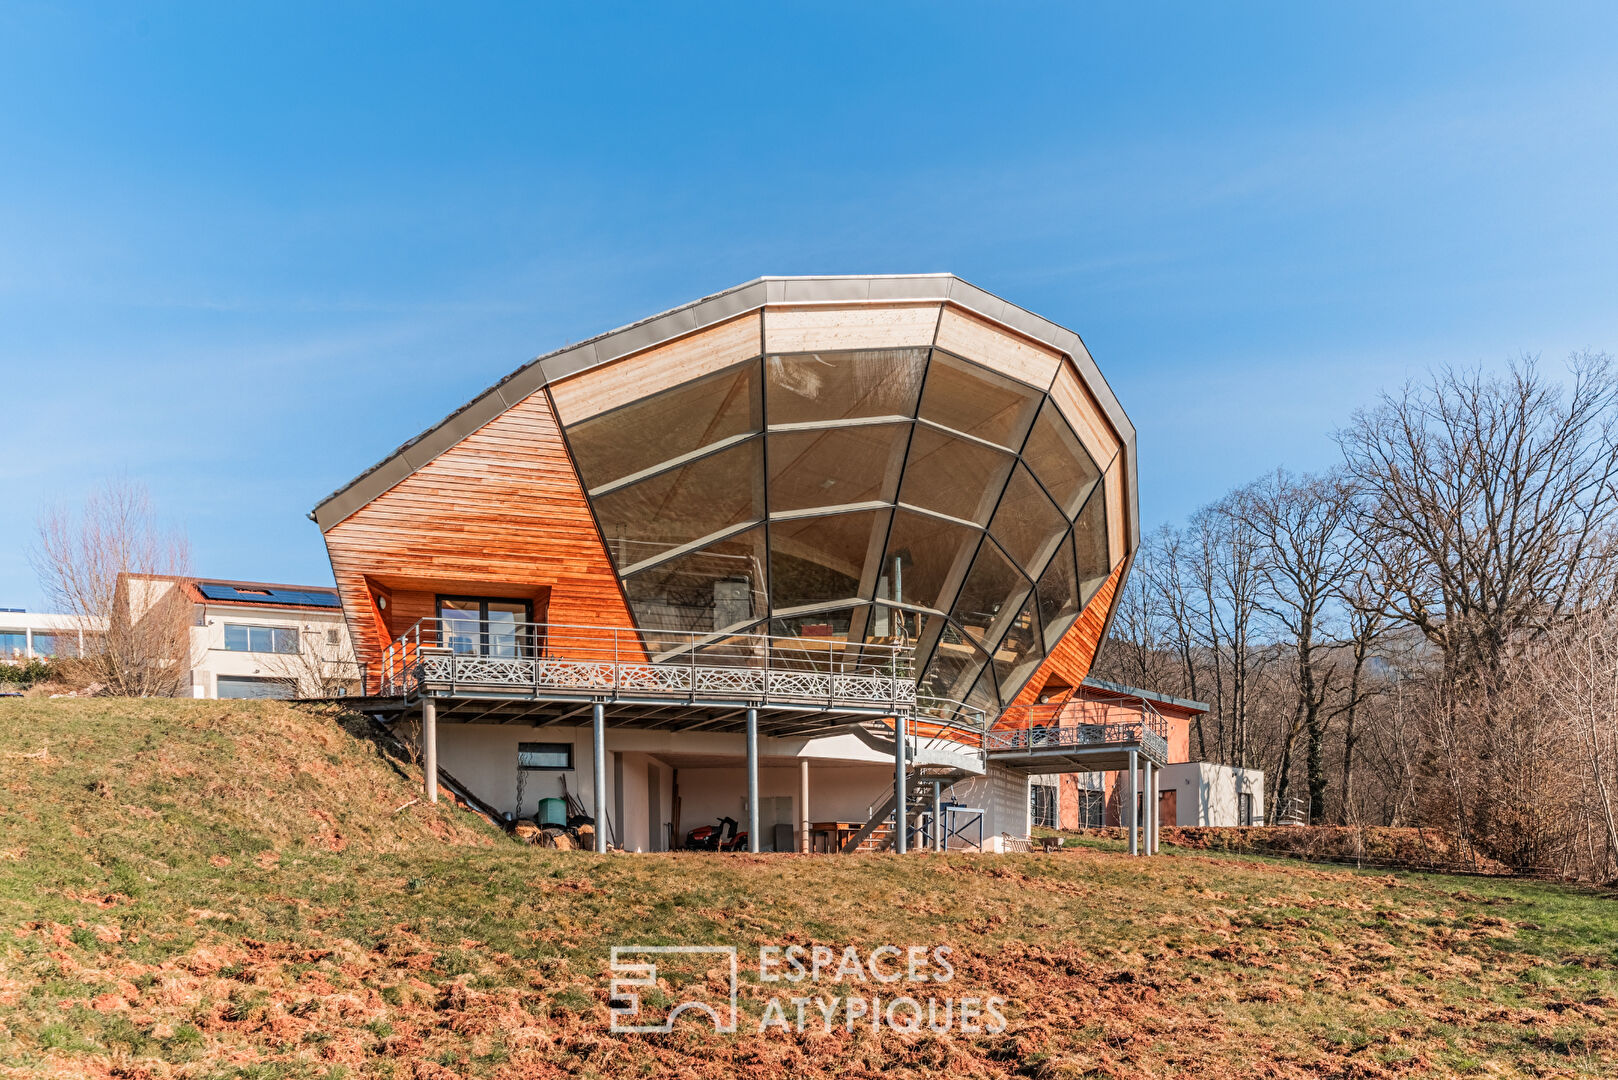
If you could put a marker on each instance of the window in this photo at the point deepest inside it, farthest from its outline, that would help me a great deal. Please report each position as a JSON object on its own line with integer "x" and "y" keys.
{"x": 975, "y": 401}
{"x": 334, "y": 637}
{"x": 709, "y": 495}
{"x": 1027, "y": 524}
{"x": 1092, "y": 808}
{"x": 655, "y": 430}
{"x": 13, "y": 644}
{"x": 864, "y": 494}
{"x": 824, "y": 387}
{"x": 1042, "y": 800}
{"x": 545, "y": 756}
{"x": 481, "y": 626}
{"x": 1060, "y": 460}
{"x": 240, "y": 637}
{"x": 246, "y": 687}
{"x": 822, "y": 560}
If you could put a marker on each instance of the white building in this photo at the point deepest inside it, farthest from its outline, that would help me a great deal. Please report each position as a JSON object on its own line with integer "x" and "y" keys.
{"x": 254, "y": 639}
{"x": 28, "y": 635}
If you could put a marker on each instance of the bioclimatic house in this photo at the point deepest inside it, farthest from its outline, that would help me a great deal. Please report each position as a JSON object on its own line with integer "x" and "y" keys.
{"x": 818, "y": 554}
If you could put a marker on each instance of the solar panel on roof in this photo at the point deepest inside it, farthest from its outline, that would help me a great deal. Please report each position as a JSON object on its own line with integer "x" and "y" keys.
{"x": 302, "y": 597}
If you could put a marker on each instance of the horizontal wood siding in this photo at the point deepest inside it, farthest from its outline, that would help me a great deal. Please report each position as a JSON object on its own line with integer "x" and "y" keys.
{"x": 499, "y": 514}
{"x": 967, "y": 335}
{"x": 867, "y": 326}
{"x": 595, "y": 391}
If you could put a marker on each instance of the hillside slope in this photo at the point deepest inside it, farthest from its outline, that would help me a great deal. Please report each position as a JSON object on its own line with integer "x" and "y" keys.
{"x": 215, "y": 889}
{"x": 174, "y": 781}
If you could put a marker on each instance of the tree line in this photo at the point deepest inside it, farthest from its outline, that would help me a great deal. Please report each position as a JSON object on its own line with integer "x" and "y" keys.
{"x": 1424, "y": 635}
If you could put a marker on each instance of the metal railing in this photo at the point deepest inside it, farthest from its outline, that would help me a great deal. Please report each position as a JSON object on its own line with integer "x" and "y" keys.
{"x": 1081, "y": 722}
{"x": 546, "y": 659}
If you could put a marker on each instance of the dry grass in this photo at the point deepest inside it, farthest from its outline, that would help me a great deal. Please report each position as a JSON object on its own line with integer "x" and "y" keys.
{"x": 212, "y": 889}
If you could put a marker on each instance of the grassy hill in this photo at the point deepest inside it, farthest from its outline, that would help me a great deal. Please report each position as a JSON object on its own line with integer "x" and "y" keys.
{"x": 213, "y": 889}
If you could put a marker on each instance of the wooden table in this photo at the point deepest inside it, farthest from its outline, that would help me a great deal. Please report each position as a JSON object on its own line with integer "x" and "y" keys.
{"x": 834, "y": 833}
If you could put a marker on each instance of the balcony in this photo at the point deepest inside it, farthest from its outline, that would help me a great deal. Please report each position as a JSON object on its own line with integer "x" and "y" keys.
{"x": 1080, "y": 735}
{"x": 679, "y": 680}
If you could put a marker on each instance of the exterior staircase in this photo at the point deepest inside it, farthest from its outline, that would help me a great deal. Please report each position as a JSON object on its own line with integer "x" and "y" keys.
{"x": 877, "y": 834}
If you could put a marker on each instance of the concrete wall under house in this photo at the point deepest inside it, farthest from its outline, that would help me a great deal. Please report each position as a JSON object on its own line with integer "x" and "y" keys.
{"x": 847, "y": 778}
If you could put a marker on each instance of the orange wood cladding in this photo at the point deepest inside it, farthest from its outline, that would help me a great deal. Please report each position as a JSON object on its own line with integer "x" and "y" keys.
{"x": 1076, "y": 650}
{"x": 500, "y": 514}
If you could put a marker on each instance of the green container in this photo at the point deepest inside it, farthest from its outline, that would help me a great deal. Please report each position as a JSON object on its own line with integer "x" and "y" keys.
{"x": 552, "y": 812}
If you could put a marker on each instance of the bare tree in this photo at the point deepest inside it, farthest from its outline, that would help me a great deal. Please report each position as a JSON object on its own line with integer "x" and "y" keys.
{"x": 1484, "y": 501}
{"x": 1299, "y": 524}
{"x": 115, "y": 567}
{"x": 319, "y": 669}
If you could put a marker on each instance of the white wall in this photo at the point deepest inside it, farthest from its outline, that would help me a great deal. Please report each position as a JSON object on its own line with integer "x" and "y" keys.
{"x": 1002, "y": 794}
{"x": 1206, "y": 793}
{"x": 847, "y": 777}
{"x": 319, "y": 662}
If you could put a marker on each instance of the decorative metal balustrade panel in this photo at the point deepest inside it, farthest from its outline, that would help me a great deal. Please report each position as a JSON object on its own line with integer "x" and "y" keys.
{"x": 650, "y": 680}
{"x": 1077, "y": 736}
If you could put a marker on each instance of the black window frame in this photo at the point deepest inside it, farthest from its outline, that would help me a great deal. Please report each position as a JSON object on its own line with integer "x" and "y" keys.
{"x": 533, "y": 747}
{"x": 525, "y": 638}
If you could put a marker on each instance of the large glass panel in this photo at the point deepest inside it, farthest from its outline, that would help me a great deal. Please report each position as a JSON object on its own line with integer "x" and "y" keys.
{"x": 955, "y": 666}
{"x": 1027, "y": 523}
{"x": 818, "y": 641}
{"x": 1019, "y": 652}
{"x": 719, "y": 587}
{"x": 674, "y": 508}
{"x": 835, "y": 466}
{"x": 908, "y": 631}
{"x": 990, "y": 596}
{"x": 460, "y": 626}
{"x": 953, "y": 476}
{"x": 820, "y": 560}
{"x": 504, "y": 627}
{"x": 1060, "y": 460}
{"x": 664, "y": 426}
{"x": 13, "y": 644}
{"x": 977, "y": 401}
{"x": 816, "y": 387}
{"x": 982, "y": 696}
{"x": 50, "y": 644}
{"x": 1090, "y": 544}
{"x": 1058, "y": 594}
{"x": 922, "y": 558}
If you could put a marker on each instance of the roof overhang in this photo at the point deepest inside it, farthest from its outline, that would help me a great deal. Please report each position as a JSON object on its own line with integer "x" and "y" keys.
{"x": 708, "y": 311}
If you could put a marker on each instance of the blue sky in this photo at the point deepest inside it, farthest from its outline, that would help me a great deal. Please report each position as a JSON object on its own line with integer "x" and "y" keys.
{"x": 246, "y": 250}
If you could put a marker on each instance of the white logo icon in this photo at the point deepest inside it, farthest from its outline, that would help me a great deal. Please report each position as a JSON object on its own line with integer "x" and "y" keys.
{"x": 630, "y": 974}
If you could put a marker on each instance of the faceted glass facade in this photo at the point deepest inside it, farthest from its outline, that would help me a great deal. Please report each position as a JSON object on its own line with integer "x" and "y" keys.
{"x": 883, "y": 496}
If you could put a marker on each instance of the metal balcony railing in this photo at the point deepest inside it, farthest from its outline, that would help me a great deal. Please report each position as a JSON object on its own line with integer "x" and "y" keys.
{"x": 1080, "y": 723}
{"x": 548, "y": 659}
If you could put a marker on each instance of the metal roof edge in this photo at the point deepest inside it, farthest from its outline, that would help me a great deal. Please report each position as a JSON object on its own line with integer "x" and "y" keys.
{"x": 707, "y": 311}
{"x": 1149, "y": 695}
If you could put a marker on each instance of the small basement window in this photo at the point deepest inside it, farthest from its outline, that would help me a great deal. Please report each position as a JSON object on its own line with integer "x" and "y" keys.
{"x": 545, "y": 756}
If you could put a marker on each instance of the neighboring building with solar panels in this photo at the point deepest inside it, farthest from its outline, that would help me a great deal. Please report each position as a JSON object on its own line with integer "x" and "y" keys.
{"x": 254, "y": 639}
{"x": 700, "y": 558}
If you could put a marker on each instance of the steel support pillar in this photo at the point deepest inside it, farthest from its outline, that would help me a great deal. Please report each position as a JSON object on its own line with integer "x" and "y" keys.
{"x": 1131, "y": 818}
{"x": 938, "y": 815}
{"x": 598, "y": 717}
{"x": 1154, "y": 803}
{"x": 901, "y": 798}
{"x": 803, "y": 806}
{"x": 429, "y": 749}
{"x": 752, "y": 780}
